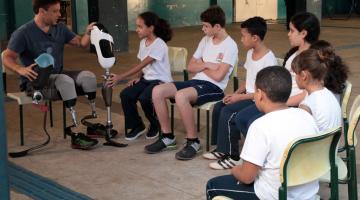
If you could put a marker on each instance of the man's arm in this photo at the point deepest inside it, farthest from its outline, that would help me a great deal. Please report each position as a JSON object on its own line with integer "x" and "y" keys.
{"x": 83, "y": 41}
{"x": 9, "y": 59}
{"x": 245, "y": 173}
{"x": 196, "y": 65}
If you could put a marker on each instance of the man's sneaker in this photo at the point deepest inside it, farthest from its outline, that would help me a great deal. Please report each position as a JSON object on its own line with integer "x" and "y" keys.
{"x": 160, "y": 145}
{"x": 81, "y": 141}
{"x": 213, "y": 155}
{"x": 189, "y": 151}
{"x": 152, "y": 133}
{"x": 225, "y": 163}
{"x": 135, "y": 133}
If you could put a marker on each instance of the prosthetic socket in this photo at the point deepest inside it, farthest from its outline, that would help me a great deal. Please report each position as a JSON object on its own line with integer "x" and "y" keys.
{"x": 45, "y": 63}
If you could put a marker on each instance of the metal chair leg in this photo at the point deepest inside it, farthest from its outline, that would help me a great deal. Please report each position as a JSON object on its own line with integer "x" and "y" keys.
{"x": 21, "y": 125}
{"x": 198, "y": 120}
{"x": 172, "y": 117}
{"x": 207, "y": 130}
{"x": 51, "y": 114}
{"x": 64, "y": 120}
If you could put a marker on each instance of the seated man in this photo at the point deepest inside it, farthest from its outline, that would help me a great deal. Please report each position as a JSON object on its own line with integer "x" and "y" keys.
{"x": 212, "y": 64}
{"x": 44, "y": 35}
{"x": 258, "y": 177}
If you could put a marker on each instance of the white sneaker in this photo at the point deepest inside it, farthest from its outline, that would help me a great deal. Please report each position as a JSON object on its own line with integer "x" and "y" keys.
{"x": 225, "y": 163}
{"x": 214, "y": 155}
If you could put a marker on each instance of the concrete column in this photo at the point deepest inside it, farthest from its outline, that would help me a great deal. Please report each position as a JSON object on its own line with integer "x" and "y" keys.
{"x": 4, "y": 178}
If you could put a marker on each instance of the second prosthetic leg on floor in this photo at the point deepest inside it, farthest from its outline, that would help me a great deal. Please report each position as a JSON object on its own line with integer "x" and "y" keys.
{"x": 103, "y": 43}
{"x": 44, "y": 67}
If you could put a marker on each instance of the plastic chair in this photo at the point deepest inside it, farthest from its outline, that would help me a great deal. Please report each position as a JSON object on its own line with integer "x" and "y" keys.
{"x": 306, "y": 159}
{"x": 347, "y": 169}
{"x": 178, "y": 60}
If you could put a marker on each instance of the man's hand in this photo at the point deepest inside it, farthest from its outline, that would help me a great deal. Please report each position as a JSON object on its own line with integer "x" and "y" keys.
{"x": 114, "y": 80}
{"x": 133, "y": 82}
{"x": 89, "y": 28}
{"x": 28, "y": 72}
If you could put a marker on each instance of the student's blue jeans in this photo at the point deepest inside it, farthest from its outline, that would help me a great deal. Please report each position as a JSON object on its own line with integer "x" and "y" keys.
{"x": 228, "y": 186}
{"x": 232, "y": 120}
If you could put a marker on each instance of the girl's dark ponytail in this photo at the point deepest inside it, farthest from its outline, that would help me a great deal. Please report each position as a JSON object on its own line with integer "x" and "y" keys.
{"x": 163, "y": 30}
{"x": 161, "y": 27}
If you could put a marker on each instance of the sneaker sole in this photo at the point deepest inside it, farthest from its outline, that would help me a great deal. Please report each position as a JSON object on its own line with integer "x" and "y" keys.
{"x": 153, "y": 137}
{"x": 74, "y": 146}
{"x": 168, "y": 148}
{"x": 136, "y": 136}
{"x": 184, "y": 158}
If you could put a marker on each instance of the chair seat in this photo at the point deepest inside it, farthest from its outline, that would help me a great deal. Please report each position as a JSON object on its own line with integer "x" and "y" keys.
{"x": 342, "y": 171}
{"x": 207, "y": 106}
{"x": 20, "y": 97}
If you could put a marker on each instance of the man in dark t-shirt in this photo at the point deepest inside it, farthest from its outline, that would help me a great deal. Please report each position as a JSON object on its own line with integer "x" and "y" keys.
{"x": 44, "y": 35}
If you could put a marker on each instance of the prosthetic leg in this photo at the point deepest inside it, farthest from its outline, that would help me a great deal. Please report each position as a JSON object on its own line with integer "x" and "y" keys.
{"x": 45, "y": 63}
{"x": 103, "y": 42}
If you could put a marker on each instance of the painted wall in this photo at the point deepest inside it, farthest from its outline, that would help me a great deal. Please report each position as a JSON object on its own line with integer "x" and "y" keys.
{"x": 179, "y": 13}
{"x": 82, "y": 17}
{"x": 281, "y": 9}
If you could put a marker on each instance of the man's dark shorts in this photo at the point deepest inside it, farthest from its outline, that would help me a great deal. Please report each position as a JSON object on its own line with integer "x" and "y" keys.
{"x": 206, "y": 90}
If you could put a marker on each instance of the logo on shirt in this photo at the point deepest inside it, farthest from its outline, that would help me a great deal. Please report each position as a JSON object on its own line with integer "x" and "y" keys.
{"x": 220, "y": 57}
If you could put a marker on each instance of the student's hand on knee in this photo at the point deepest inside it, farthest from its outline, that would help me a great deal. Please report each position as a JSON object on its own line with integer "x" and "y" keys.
{"x": 233, "y": 98}
{"x": 133, "y": 82}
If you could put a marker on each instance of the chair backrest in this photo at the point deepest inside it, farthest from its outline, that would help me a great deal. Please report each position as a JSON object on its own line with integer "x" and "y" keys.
{"x": 353, "y": 121}
{"x": 280, "y": 61}
{"x": 307, "y": 159}
{"x": 4, "y": 70}
{"x": 345, "y": 96}
{"x": 178, "y": 58}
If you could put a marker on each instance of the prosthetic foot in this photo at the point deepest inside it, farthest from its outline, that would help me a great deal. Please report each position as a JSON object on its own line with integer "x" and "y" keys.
{"x": 95, "y": 130}
{"x": 78, "y": 140}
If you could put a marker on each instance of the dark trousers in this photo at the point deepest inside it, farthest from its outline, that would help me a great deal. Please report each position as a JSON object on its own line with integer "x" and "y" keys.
{"x": 141, "y": 91}
{"x": 228, "y": 186}
{"x": 246, "y": 117}
{"x": 227, "y": 136}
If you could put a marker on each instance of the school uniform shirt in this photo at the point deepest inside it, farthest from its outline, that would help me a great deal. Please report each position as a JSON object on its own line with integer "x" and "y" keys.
{"x": 254, "y": 66}
{"x": 224, "y": 52}
{"x": 295, "y": 88}
{"x": 265, "y": 143}
{"x": 324, "y": 108}
{"x": 159, "y": 69}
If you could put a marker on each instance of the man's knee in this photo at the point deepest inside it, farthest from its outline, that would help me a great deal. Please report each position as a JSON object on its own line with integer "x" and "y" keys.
{"x": 64, "y": 81}
{"x": 87, "y": 80}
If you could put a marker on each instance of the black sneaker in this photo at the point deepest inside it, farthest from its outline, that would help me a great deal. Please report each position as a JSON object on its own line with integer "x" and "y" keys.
{"x": 189, "y": 151}
{"x": 99, "y": 131}
{"x": 81, "y": 141}
{"x": 153, "y": 132}
{"x": 160, "y": 145}
{"x": 135, "y": 133}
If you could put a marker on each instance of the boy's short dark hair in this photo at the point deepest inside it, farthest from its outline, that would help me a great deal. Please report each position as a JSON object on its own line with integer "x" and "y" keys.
{"x": 213, "y": 15}
{"x": 276, "y": 82}
{"x": 37, "y": 4}
{"x": 255, "y": 26}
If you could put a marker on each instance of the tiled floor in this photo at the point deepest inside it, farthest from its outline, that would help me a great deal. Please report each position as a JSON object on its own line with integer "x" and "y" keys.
{"x": 128, "y": 173}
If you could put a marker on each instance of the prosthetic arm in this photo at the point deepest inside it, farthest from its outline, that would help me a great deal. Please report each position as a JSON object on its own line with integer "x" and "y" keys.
{"x": 103, "y": 43}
